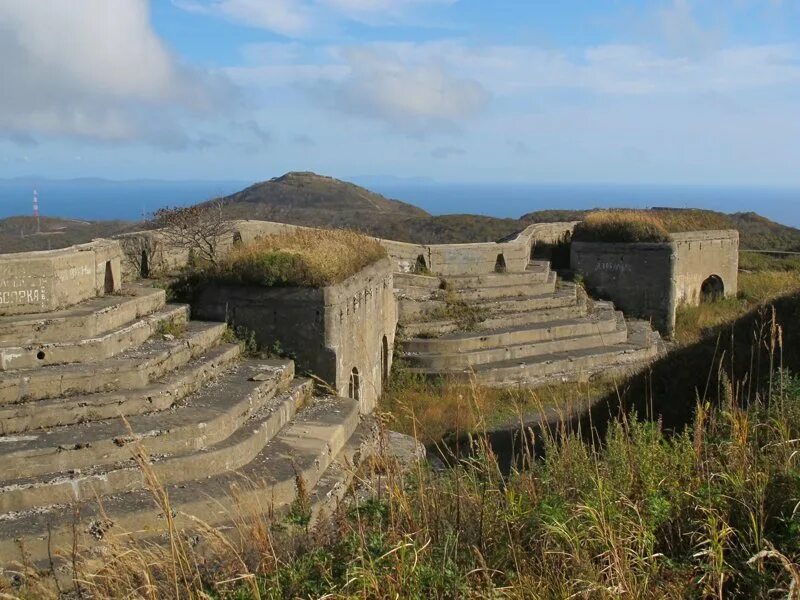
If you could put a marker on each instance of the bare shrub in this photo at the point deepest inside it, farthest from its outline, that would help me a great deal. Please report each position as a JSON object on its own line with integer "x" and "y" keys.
{"x": 199, "y": 229}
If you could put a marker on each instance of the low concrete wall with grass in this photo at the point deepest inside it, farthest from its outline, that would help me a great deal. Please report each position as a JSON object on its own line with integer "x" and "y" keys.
{"x": 32, "y": 282}
{"x": 650, "y": 280}
{"x": 342, "y": 334}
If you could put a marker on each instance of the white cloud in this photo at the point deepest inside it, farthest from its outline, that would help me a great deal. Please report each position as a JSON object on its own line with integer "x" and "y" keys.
{"x": 299, "y": 18}
{"x": 87, "y": 68}
{"x": 416, "y": 96}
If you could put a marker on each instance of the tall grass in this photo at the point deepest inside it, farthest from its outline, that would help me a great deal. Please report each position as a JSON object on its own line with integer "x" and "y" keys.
{"x": 645, "y": 225}
{"x": 755, "y": 287}
{"x": 302, "y": 257}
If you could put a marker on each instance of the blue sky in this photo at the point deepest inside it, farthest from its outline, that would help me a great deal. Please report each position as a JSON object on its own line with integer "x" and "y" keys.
{"x": 668, "y": 91}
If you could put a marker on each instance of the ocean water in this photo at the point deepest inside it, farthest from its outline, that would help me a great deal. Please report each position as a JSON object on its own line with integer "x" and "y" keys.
{"x": 103, "y": 199}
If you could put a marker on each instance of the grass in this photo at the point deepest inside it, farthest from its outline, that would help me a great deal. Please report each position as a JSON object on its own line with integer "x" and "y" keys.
{"x": 303, "y": 257}
{"x": 467, "y": 315}
{"x": 711, "y": 512}
{"x": 628, "y": 226}
{"x": 761, "y": 279}
{"x": 433, "y": 409}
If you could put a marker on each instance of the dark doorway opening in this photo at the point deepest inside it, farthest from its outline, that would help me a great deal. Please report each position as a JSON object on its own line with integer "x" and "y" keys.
{"x": 108, "y": 286}
{"x": 144, "y": 265}
{"x": 712, "y": 289}
{"x": 421, "y": 266}
{"x": 500, "y": 264}
{"x": 384, "y": 360}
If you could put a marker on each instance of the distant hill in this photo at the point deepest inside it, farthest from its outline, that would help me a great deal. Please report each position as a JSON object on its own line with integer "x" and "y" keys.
{"x": 18, "y": 234}
{"x": 304, "y": 198}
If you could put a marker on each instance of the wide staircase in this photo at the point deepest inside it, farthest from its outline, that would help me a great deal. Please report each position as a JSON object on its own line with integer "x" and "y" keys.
{"x": 105, "y": 406}
{"x": 526, "y": 328}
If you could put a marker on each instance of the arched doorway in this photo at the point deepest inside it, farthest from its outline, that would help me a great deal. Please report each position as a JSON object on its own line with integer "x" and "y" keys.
{"x": 354, "y": 389}
{"x": 237, "y": 239}
{"x": 712, "y": 289}
{"x": 421, "y": 266}
{"x": 108, "y": 285}
{"x": 384, "y": 360}
{"x": 500, "y": 264}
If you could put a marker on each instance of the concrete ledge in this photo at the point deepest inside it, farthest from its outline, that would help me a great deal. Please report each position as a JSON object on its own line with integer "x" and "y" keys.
{"x": 94, "y": 348}
{"x": 132, "y": 369}
{"x": 89, "y": 318}
{"x": 27, "y": 416}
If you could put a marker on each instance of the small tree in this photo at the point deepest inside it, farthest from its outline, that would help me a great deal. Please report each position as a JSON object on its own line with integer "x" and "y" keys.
{"x": 199, "y": 229}
{"x": 140, "y": 252}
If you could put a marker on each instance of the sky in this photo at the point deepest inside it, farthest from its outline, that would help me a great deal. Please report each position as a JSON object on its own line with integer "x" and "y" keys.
{"x": 526, "y": 91}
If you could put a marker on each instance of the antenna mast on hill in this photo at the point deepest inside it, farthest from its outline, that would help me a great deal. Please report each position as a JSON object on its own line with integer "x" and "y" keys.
{"x": 36, "y": 210}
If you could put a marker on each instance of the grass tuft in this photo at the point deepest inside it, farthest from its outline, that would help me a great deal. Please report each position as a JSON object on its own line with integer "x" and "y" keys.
{"x": 302, "y": 257}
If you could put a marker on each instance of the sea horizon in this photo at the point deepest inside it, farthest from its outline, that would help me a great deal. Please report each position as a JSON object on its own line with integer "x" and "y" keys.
{"x": 104, "y": 199}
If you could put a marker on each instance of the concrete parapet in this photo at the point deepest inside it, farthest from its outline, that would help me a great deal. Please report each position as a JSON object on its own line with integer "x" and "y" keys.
{"x": 35, "y": 282}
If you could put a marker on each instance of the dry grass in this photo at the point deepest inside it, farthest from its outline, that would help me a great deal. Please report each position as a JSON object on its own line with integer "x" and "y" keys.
{"x": 645, "y": 225}
{"x": 755, "y": 288}
{"x": 621, "y": 226}
{"x": 433, "y": 409}
{"x": 303, "y": 257}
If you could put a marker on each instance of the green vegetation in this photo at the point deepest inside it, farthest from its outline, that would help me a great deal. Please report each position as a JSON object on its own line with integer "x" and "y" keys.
{"x": 467, "y": 315}
{"x": 309, "y": 258}
{"x": 433, "y": 409}
{"x": 707, "y": 513}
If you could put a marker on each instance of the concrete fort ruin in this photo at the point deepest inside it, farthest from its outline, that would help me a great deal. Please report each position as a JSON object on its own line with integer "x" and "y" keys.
{"x": 99, "y": 374}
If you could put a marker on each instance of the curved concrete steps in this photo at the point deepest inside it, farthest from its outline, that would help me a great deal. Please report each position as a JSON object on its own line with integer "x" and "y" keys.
{"x": 443, "y": 327}
{"x": 565, "y": 337}
{"x": 134, "y": 368}
{"x": 303, "y": 449}
{"x": 157, "y": 396}
{"x": 202, "y": 420}
{"x": 228, "y": 454}
{"x": 90, "y": 318}
{"x": 499, "y": 291}
{"x": 96, "y": 348}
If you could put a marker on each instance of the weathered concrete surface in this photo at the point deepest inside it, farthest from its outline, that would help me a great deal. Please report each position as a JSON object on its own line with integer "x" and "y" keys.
{"x": 650, "y": 281}
{"x": 305, "y": 449}
{"x": 89, "y": 318}
{"x": 330, "y": 331}
{"x": 35, "y": 282}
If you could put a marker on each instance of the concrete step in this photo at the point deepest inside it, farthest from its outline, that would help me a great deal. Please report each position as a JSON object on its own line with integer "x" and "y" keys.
{"x": 576, "y": 365}
{"x": 134, "y": 368}
{"x": 442, "y": 327}
{"x": 92, "y": 349}
{"x": 230, "y": 453}
{"x": 487, "y": 280}
{"x": 157, "y": 396}
{"x": 506, "y": 291}
{"x": 87, "y": 319}
{"x": 304, "y": 449}
{"x": 403, "y": 281}
{"x": 202, "y": 420}
{"x": 565, "y": 337}
{"x": 414, "y": 311}
{"x": 604, "y": 321}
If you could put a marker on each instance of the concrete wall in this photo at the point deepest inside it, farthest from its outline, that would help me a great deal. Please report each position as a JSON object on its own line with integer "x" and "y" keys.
{"x": 32, "y": 282}
{"x": 651, "y": 281}
{"x": 701, "y": 254}
{"x": 329, "y": 331}
{"x": 637, "y": 277}
{"x": 443, "y": 259}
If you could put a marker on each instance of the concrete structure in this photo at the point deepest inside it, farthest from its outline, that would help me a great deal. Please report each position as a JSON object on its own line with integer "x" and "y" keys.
{"x": 651, "y": 280}
{"x": 107, "y": 382}
{"x": 34, "y": 282}
{"x": 342, "y": 334}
